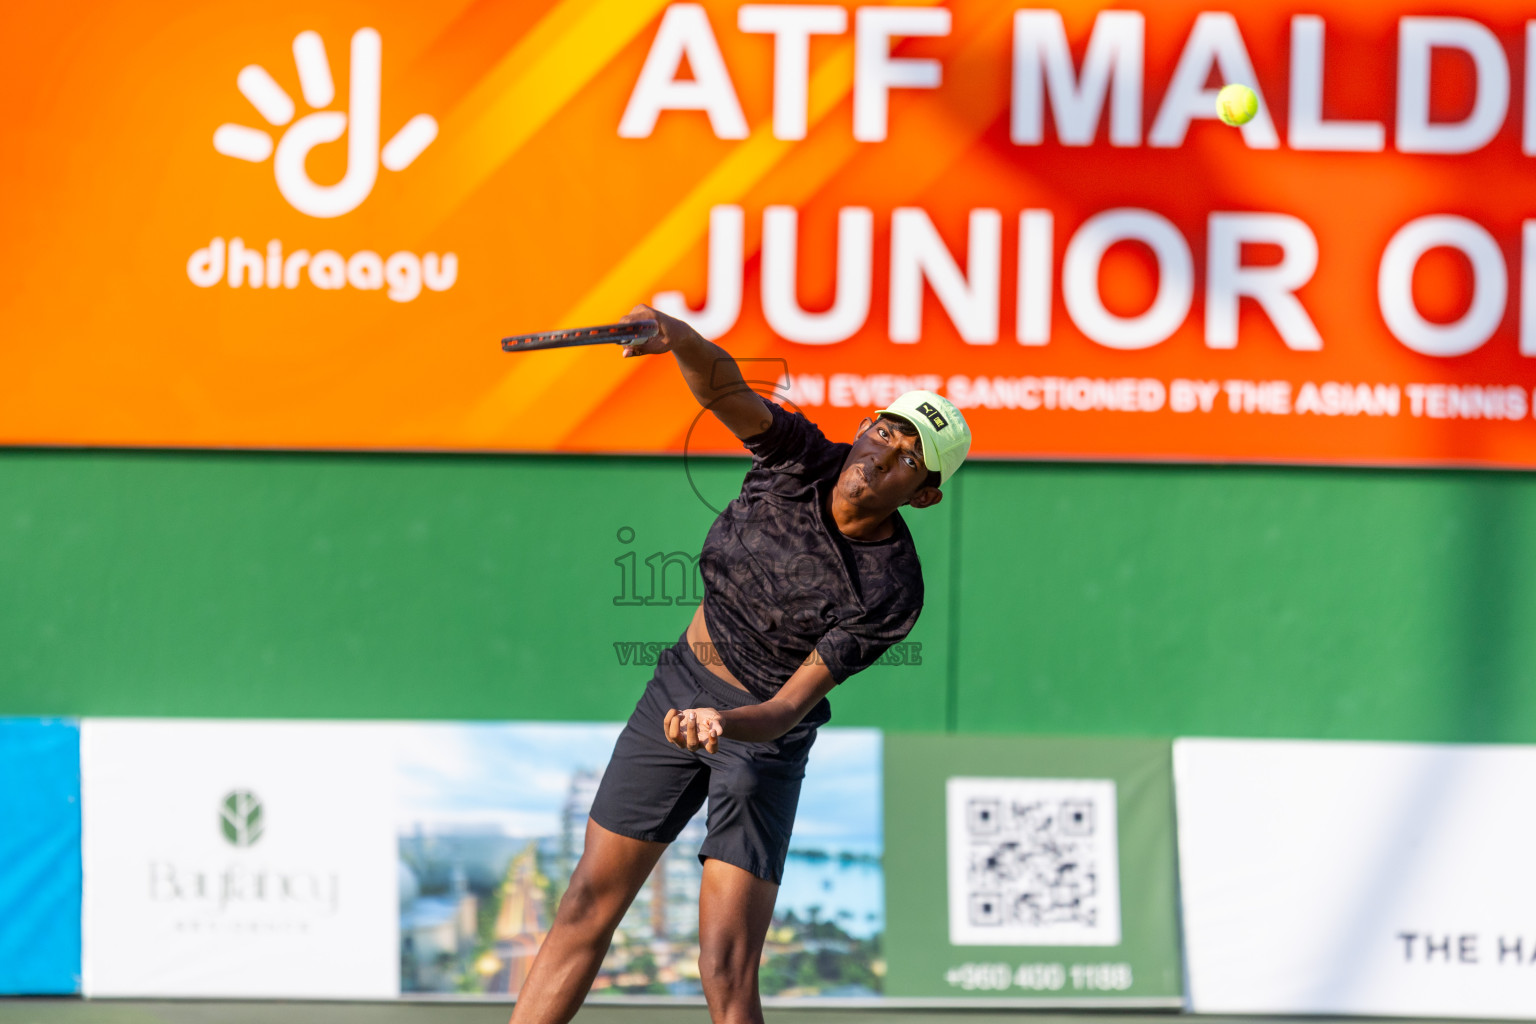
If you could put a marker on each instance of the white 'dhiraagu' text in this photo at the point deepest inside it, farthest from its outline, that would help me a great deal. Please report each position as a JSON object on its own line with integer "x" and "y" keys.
{"x": 401, "y": 275}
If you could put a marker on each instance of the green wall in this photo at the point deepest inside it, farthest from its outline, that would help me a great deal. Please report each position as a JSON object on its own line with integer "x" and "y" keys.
{"x": 1132, "y": 600}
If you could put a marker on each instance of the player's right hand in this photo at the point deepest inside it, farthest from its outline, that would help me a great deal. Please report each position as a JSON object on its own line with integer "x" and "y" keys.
{"x": 670, "y": 331}
{"x": 694, "y": 728}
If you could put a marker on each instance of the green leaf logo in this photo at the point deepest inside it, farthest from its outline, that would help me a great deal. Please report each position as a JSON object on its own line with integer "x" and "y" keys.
{"x": 240, "y": 818}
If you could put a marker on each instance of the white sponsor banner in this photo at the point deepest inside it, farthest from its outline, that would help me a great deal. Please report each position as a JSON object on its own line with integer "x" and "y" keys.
{"x": 1358, "y": 878}
{"x": 239, "y": 859}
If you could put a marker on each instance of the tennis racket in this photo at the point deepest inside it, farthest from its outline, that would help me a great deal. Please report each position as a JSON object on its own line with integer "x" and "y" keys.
{"x": 631, "y": 333}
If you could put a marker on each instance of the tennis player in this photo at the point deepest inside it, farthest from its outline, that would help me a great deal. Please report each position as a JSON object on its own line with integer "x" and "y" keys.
{"x": 810, "y": 574}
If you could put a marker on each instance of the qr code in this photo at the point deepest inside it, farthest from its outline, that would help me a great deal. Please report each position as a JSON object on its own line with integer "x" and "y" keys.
{"x": 1033, "y": 862}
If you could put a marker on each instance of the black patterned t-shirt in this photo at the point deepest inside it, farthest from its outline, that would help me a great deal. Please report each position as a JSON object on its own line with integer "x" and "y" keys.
{"x": 780, "y": 579}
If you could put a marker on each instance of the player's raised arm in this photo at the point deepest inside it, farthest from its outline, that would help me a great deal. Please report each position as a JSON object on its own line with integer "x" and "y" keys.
{"x": 710, "y": 372}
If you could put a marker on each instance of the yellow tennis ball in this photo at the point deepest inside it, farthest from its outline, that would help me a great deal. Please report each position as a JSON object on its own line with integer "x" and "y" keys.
{"x": 1236, "y": 104}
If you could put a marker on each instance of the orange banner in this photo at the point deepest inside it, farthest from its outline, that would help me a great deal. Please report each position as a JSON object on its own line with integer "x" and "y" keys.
{"x": 309, "y": 228}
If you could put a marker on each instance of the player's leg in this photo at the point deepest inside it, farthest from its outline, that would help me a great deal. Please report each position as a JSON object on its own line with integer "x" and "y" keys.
{"x": 649, "y": 791}
{"x": 735, "y": 909}
{"x": 753, "y": 791}
{"x": 611, "y": 870}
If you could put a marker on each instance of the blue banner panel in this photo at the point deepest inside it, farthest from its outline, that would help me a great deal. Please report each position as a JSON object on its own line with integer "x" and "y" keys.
{"x": 39, "y": 856}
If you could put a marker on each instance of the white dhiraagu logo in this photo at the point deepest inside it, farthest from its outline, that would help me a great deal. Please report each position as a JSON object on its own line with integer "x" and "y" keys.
{"x": 403, "y": 273}
{"x": 361, "y": 121}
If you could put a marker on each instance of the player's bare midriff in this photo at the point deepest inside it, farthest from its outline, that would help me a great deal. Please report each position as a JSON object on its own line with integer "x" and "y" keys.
{"x": 698, "y": 639}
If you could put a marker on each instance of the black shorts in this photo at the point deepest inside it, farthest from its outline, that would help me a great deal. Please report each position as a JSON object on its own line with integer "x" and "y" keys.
{"x": 651, "y": 788}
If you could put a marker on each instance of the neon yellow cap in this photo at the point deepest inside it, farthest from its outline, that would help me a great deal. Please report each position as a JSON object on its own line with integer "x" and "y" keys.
{"x": 946, "y": 436}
